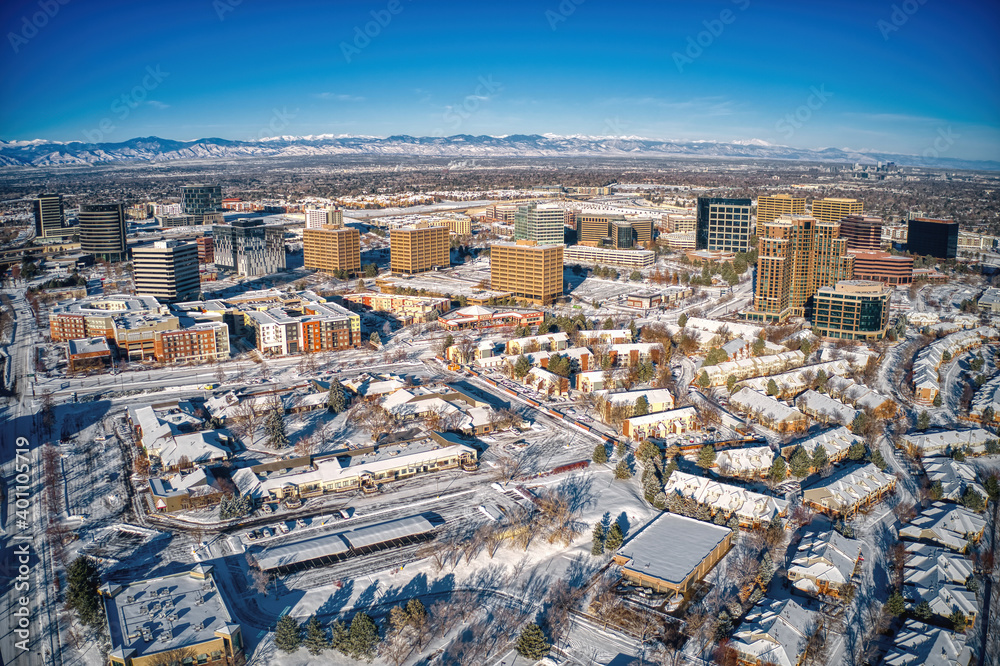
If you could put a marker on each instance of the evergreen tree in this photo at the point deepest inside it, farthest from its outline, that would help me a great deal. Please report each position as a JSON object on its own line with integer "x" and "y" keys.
{"x": 608, "y": 324}
{"x": 937, "y": 400}
{"x": 820, "y": 459}
{"x": 622, "y": 470}
{"x": 641, "y": 406}
{"x": 972, "y": 500}
{"x": 274, "y": 427}
{"x": 857, "y": 451}
{"x": 522, "y": 366}
{"x": 335, "y": 400}
{"x": 682, "y": 320}
{"x": 670, "y": 468}
{"x": 821, "y": 380}
{"x": 448, "y": 342}
{"x": 316, "y": 640}
{"x": 703, "y": 380}
{"x": 531, "y": 644}
{"x": 923, "y": 421}
{"x": 287, "y": 634}
{"x": 375, "y": 340}
{"x": 363, "y": 637}
{"x": 805, "y": 347}
{"x": 597, "y": 548}
{"x": 340, "y": 637}
{"x": 896, "y": 605}
{"x": 730, "y": 383}
{"x": 959, "y": 621}
{"x": 758, "y": 347}
{"x": 81, "y": 594}
{"x": 936, "y": 491}
{"x": 878, "y": 460}
{"x": 706, "y": 456}
{"x": 992, "y": 487}
{"x": 615, "y": 538}
{"x": 648, "y": 452}
{"x": 778, "y": 470}
{"x": 600, "y": 454}
{"x": 800, "y": 462}
{"x": 923, "y": 611}
{"x": 958, "y": 454}
{"x": 772, "y": 387}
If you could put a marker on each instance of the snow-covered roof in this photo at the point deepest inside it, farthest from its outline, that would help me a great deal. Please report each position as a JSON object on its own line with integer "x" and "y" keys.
{"x": 927, "y": 645}
{"x": 824, "y": 407}
{"x": 825, "y": 556}
{"x": 671, "y": 547}
{"x": 950, "y": 525}
{"x": 833, "y": 441}
{"x": 764, "y": 407}
{"x": 745, "y": 462}
{"x": 849, "y": 487}
{"x": 749, "y": 506}
{"x": 954, "y": 477}
{"x": 941, "y": 442}
{"x": 774, "y": 631}
{"x": 938, "y": 576}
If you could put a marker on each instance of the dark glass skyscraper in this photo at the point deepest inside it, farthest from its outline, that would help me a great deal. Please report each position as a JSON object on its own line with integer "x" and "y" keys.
{"x": 201, "y": 199}
{"x": 102, "y": 231}
{"x": 937, "y": 238}
{"x": 723, "y": 224}
{"x": 50, "y": 219}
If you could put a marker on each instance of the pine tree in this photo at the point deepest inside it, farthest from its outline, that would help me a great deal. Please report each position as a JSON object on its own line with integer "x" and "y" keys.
{"x": 877, "y": 459}
{"x": 623, "y": 470}
{"x": 416, "y": 613}
{"x": 375, "y": 340}
{"x": 923, "y": 611}
{"x": 778, "y": 470}
{"x": 600, "y": 454}
{"x": 772, "y": 387}
{"x": 800, "y": 462}
{"x": 923, "y": 421}
{"x": 972, "y": 500}
{"x": 857, "y": 451}
{"x": 597, "y": 548}
{"x": 820, "y": 459}
{"x": 706, "y": 456}
{"x": 682, "y": 320}
{"x": 703, "y": 380}
{"x": 274, "y": 426}
{"x": 340, "y": 637}
{"x": 287, "y": 634}
{"x": 363, "y": 637}
{"x": 730, "y": 383}
{"x": 936, "y": 491}
{"x": 335, "y": 401}
{"x": 937, "y": 400}
{"x": 531, "y": 644}
{"x": 959, "y": 621}
{"x": 615, "y": 538}
{"x": 641, "y": 406}
{"x": 316, "y": 640}
{"x": 522, "y": 366}
{"x": 896, "y": 605}
{"x": 81, "y": 595}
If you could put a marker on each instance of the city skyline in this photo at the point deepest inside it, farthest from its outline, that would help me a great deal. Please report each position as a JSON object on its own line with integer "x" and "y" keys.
{"x": 907, "y": 77}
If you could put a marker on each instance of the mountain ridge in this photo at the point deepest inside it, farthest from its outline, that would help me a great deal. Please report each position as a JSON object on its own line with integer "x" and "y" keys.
{"x": 45, "y": 153}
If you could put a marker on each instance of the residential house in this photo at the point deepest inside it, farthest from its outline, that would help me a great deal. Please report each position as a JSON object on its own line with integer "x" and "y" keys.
{"x": 547, "y": 342}
{"x": 824, "y": 562}
{"x": 942, "y": 443}
{"x": 657, "y": 400}
{"x": 661, "y": 424}
{"x": 948, "y": 525}
{"x": 937, "y": 575}
{"x": 927, "y": 645}
{"x": 825, "y": 409}
{"x": 837, "y": 443}
{"x": 849, "y": 490}
{"x": 750, "y": 508}
{"x": 955, "y": 478}
{"x": 749, "y": 463}
{"x": 768, "y": 411}
{"x": 773, "y": 632}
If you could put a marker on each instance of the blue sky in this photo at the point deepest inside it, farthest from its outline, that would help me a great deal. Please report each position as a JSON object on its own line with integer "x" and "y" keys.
{"x": 886, "y": 76}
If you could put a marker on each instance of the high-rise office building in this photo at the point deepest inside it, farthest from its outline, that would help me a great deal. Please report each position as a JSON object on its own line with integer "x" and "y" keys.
{"x": 418, "y": 249}
{"x": 769, "y": 207}
{"x": 863, "y": 232}
{"x": 852, "y": 310}
{"x": 833, "y": 209}
{"x": 102, "y": 231}
{"x": 541, "y": 223}
{"x": 332, "y": 249}
{"x": 592, "y": 229}
{"x": 622, "y": 235}
{"x": 249, "y": 248}
{"x": 50, "y": 218}
{"x": 642, "y": 228}
{"x": 936, "y": 238}
{"x": 528, "y": 271}
{"x": 206, "y": 250}
{"x": 723, "y": 224}
{"x": 201, "y": 199}
{"x": 317, "y": 218}
{"x": 797, "y": 255}
{"x": 167, "y": 270}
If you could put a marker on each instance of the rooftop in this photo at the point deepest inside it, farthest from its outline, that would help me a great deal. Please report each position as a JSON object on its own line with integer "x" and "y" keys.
{"x": 671, "y": 547}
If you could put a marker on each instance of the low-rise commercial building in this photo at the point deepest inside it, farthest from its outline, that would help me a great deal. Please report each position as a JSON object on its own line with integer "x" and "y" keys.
{"x": 852, "y": 310}
{"x": 178, "y": 618}
{"x": 672, "y": 553}
{"x": 600, "y": 256}
{"x": 480, "y": 316}
{"x": 88, "y": 354}
{"x": 878, "y": 266}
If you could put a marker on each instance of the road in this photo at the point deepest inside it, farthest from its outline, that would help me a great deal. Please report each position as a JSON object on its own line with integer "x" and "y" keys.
{"x": 25, "y": 636}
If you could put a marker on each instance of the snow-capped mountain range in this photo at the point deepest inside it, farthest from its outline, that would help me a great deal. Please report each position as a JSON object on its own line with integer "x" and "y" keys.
{"x": 44, "y": 153}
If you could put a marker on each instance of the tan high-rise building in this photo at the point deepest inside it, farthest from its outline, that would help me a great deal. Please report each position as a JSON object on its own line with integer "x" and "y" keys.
{"x": 167, "y": 270}
{"x": 593, "y": 229}
{"x": 863, "y": 232}
{"x": 528, "y": 271}
{"x": 833, "y": 209}
{"x": 642, "y": 228}
{"x": 416, "y": 250}
{"x": 797, "y": 255}
{"x": 772, "y": 206}
{"x": 317, "y": 218}
{"x": 332, "y": 249}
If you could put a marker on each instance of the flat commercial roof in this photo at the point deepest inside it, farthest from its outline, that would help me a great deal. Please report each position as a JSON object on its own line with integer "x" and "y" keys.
{"x": 671, "y": 547}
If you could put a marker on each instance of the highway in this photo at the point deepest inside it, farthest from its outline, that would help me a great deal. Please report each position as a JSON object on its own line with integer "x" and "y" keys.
{"x": 27, "y": 609}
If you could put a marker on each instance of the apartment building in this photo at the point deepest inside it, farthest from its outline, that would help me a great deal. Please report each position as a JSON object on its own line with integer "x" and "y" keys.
{"x": 528, "y": 271}
{"x": 307, "y": 328}
{"x": 167, "y": 270}
{"x": 834, "y": 209}
{"x": 331, "y": 249}
{"x": 249, "y": 248}
{"x": 798, "y": 255}
{"x": 317, "y": 218}
{"x": 418, "y": 249}
{"x": 724, "y": 224}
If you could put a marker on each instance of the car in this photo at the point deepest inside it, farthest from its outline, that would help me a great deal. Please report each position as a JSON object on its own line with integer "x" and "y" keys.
{"x": 251, "y": 536}
{"x": 267, "y": 532}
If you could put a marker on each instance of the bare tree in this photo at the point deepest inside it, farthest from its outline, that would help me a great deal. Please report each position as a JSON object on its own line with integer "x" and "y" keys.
{"x": 247, "y": 419}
